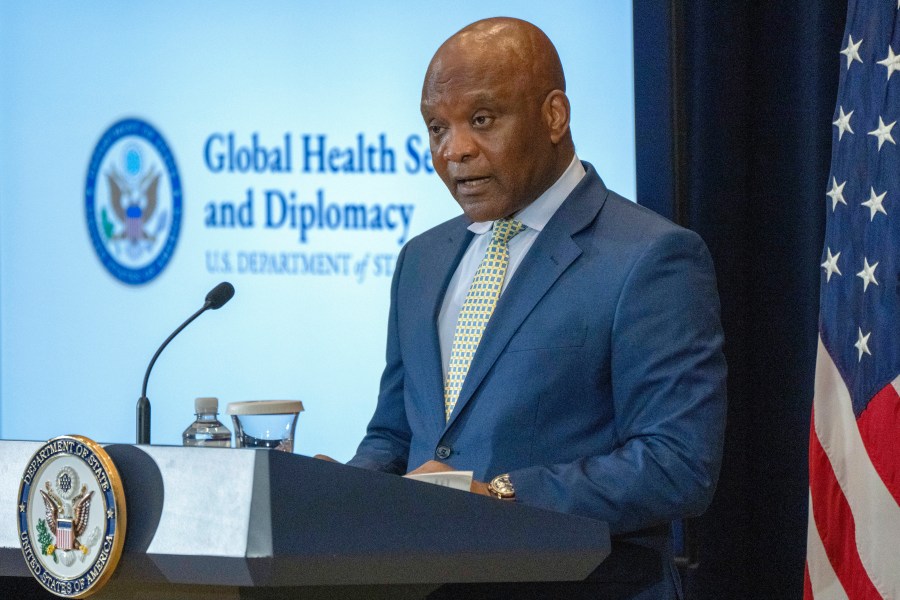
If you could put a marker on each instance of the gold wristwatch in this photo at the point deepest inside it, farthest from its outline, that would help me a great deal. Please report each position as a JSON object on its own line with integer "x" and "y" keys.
{"x": 502, "y": 487}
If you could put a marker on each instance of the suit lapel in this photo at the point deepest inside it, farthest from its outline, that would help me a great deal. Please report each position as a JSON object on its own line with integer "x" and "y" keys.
{"x": 440, "y": 258}
{"x": 550, "y": 256}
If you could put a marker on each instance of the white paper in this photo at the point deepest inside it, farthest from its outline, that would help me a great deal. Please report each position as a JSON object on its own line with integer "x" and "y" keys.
{"x": 458, "y": 480}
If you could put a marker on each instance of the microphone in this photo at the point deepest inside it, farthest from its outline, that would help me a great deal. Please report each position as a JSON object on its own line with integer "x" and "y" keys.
{"x": 218, "y": 296}
{"x": 215, "y": 299}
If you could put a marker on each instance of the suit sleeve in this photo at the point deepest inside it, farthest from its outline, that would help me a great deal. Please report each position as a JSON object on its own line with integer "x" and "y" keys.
{"x": 386, "y": 444}
{"x": 668, "y": 387}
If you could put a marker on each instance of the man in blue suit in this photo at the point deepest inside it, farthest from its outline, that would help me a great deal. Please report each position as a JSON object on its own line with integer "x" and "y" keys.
{"x": 597, "y": 383}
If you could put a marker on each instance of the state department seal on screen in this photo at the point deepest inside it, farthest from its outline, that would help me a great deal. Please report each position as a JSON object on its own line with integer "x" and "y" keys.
{"x": 71, "y": 516}
{"x": 133, "y": 201}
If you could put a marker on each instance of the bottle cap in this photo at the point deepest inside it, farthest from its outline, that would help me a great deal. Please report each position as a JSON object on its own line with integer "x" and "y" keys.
{"x": 206, "y": 405}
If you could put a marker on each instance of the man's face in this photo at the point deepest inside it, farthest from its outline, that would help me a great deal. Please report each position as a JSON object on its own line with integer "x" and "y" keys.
{"x": 489, "y": 142}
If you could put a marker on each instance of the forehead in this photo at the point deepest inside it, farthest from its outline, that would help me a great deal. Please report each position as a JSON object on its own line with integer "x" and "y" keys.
{"x": 463, "y": 79}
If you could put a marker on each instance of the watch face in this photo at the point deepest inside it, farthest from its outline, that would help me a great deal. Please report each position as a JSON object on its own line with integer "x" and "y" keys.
{"x": 503, "y": 487}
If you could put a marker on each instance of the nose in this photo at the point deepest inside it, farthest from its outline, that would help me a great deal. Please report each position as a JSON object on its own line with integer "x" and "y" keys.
{"x": 458, "y": 146}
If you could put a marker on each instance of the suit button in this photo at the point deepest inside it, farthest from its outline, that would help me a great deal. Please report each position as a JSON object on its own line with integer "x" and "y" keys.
{"x": 443, "y": 452}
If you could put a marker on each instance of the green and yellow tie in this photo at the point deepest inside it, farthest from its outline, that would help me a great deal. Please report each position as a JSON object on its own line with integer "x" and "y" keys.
{"x": 477, "y": 309}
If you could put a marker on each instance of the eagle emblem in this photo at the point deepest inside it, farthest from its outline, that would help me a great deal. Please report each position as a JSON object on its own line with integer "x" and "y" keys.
{"x": 68, "y": 512}
{"x": 71, "y": 516}
{"x": 133, "y": 203}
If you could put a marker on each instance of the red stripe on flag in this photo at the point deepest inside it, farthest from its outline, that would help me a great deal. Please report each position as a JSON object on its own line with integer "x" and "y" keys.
{"x": 807, "y": 584}
{"x": 879, "y": 426}
{"x": 834, "y": 520}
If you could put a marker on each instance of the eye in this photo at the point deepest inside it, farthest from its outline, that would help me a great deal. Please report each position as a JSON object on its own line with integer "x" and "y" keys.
{"x": 435, "y": 130}
{"x": 481, "y": 120}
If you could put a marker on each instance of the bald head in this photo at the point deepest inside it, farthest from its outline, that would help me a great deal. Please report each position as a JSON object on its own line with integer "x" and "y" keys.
{"x": 516, "y": 48}
{"x": 495, "y": 105}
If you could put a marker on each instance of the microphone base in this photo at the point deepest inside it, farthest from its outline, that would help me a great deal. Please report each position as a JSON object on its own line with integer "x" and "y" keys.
{"x": 142, "y": 435}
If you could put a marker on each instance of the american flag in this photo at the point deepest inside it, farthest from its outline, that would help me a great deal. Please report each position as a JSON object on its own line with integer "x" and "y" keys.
{"x": 853, "y": 540}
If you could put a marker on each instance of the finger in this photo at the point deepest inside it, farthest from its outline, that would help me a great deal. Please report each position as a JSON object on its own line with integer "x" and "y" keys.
{"x": 325, "y": 458}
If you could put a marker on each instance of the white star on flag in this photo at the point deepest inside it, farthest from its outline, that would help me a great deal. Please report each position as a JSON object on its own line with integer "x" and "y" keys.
{"x": 875, "y": 203}
{"x": 843, "y": 123}
{"x": 862, "y": 344}
{"x": 852, "y": 51}
{"x": 830, "y": 265}
{"x": 892, "y": 62}
{"x": 836, "y": 193}
{"x": 867, "y": 274}
{"x": 883, "y": 132}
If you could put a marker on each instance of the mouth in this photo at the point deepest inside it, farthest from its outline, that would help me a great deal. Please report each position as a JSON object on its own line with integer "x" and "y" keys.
{"x": 467, "y": 185}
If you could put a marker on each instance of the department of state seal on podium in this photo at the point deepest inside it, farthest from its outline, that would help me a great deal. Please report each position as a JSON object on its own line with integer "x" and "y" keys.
{"x": 71, "y": 516}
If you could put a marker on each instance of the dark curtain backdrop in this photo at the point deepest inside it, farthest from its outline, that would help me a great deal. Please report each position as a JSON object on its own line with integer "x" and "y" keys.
{"x": 739, "y": 97}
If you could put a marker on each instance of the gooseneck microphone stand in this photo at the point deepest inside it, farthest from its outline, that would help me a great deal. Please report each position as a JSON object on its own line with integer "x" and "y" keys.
{"x": 217, "y": 297}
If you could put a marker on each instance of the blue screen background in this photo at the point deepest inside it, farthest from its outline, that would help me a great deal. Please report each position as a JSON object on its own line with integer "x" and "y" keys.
{"x": 75, "y": 341}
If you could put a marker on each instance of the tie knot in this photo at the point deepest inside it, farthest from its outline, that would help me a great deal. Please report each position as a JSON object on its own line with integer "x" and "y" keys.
{"x": 506, "y": 229}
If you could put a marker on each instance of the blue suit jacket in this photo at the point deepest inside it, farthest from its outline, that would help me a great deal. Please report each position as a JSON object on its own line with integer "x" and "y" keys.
{"x": 599, "y": 383}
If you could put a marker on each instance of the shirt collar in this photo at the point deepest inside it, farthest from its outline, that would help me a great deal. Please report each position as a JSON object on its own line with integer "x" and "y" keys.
{"x": 537, "y": 214}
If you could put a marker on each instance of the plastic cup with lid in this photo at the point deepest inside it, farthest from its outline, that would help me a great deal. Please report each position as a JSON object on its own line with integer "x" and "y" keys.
{"x": 265, "y": 423}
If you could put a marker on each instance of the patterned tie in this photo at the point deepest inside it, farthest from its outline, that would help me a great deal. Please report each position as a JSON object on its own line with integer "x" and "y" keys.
{"x": 477, "y": 309}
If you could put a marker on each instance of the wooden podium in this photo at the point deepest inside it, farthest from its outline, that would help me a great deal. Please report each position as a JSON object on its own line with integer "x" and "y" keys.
{"x": 226, "y": 523}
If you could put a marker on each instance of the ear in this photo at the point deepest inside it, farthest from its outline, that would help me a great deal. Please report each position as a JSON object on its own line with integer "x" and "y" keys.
{"x": 556, "y": 115}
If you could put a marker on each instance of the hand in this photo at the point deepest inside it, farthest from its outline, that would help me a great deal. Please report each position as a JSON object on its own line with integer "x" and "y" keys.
{"x": 325, "y": 458}
{"x": 433, "y": 466}
{"x": 479, "y": 487}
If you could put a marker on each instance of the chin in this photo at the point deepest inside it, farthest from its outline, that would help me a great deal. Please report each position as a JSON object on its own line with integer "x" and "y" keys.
{"x": 481, "y": 211}
{"x": 480, "y": 216}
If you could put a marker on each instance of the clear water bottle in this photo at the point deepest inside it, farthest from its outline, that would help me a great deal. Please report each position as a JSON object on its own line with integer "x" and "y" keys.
{"x": 207, "y": 430}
